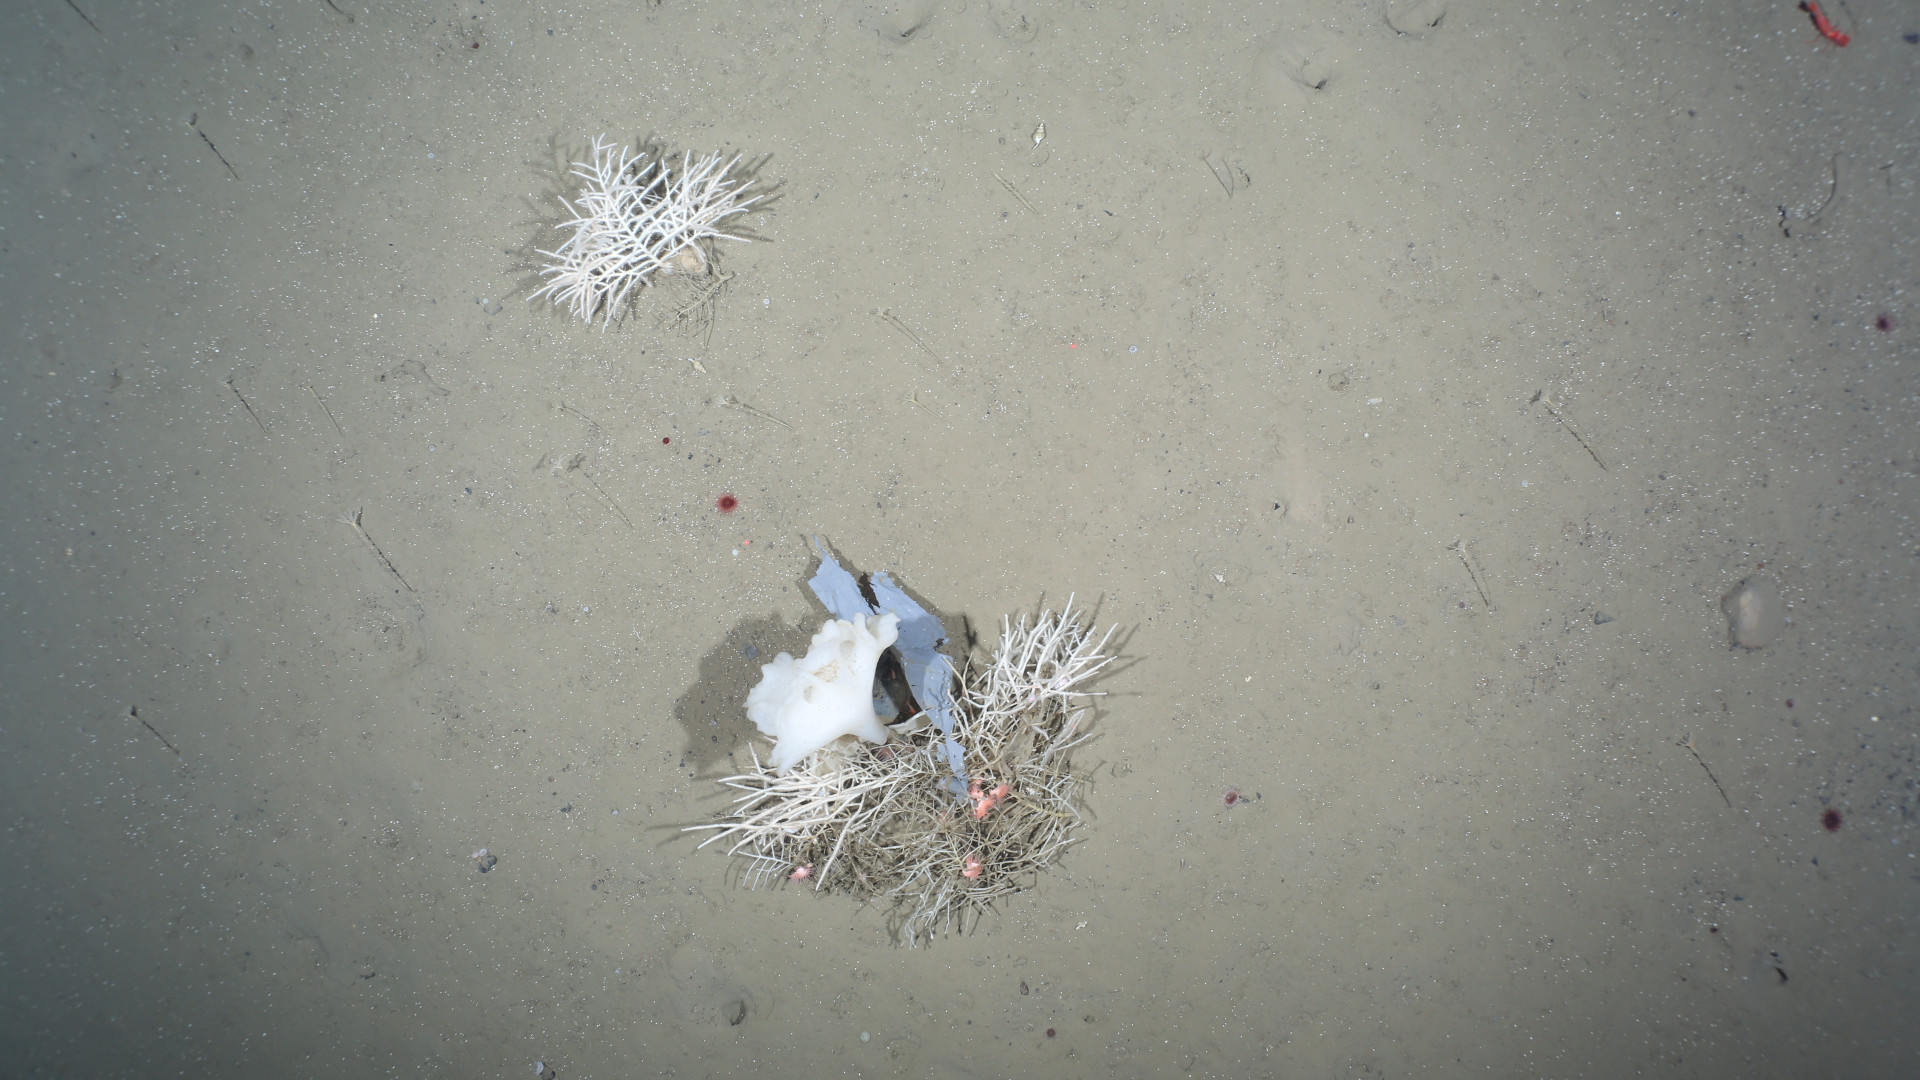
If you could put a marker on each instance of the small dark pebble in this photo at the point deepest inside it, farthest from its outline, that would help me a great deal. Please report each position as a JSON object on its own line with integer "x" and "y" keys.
{"x": 1023, "y": 987}
{"x": 486, "y": 863}
{"x": 1601, "y": 618}
{"x": 750, "y": 651}
{"x": 567, "y": 809}
{"x": 1910, "y": 38}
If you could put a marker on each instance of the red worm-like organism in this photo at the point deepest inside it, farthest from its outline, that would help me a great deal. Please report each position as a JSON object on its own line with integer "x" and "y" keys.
{"x": 1821, "y": 24}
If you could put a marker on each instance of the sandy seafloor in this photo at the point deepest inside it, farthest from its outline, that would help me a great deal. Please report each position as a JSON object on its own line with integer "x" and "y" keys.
{"x": 1257, "y": 359}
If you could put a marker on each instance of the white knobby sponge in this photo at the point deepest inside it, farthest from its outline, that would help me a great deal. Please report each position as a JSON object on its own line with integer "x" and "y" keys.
{"x": 807, "y": 703}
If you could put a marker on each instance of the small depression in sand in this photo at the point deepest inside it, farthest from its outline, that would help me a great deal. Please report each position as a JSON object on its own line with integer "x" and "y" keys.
{"x": 1755, "y": 613}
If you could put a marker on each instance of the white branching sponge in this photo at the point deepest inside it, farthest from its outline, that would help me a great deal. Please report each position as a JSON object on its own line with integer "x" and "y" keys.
{"x": 893, "y": 823}
{"x": 636, "y": 216}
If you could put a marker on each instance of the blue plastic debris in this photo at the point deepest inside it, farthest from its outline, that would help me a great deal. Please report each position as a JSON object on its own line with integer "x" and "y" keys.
{"x": 929, "y": 673}
{"x": 836, "y": 588}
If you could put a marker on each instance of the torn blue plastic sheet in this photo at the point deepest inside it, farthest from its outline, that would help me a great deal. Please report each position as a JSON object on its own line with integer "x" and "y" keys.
{"x": 928, "y": 672}
{"x": 836, "y": 588}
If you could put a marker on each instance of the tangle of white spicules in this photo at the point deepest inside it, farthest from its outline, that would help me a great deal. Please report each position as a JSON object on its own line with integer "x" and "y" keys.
{"x": 633, "y": 215}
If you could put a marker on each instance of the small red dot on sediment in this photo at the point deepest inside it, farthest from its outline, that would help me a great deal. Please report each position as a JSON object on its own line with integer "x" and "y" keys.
{"x": 1789, "y": 703}
{"x": 666, "y": 440}
{"x": 1832, "y": 820}
{"x": 727, "y": 504}
{"x": 1049, "y": 1033}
